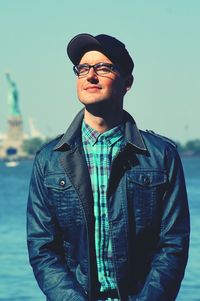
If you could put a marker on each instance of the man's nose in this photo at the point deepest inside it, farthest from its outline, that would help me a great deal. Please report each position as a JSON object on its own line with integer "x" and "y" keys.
{"x": 92, "y": 75}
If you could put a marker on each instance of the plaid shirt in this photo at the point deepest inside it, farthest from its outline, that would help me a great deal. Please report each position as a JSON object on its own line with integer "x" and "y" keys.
{"x": 100, "y": 150}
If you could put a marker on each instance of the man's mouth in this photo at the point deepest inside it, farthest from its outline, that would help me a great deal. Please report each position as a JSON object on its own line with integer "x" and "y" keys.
{"x": 92, "y": 88}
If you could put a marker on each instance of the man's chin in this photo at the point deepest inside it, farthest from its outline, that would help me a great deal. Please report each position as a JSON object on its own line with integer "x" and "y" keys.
{"x": 91, "y": 101}
{"x": 98, "y": 107}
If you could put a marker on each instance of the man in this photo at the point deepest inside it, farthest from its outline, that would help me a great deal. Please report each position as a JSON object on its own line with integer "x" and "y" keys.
{"x": 107, "y": 211}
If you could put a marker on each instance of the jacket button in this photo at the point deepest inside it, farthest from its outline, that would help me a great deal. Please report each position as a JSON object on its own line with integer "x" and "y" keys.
{"x": 62, "y": 183}
{"x": 145, "y": 180}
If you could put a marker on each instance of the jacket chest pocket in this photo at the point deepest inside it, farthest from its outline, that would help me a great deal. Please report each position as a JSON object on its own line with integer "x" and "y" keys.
{"x": 145, "y": 190}
{"x": 63, "y": 196}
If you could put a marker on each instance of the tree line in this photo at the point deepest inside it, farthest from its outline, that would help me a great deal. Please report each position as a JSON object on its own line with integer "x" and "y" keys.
{"x": 190, "y": 148}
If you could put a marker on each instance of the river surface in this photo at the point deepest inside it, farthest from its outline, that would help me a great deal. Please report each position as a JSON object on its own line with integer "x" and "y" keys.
{"x": 17, "y": 282}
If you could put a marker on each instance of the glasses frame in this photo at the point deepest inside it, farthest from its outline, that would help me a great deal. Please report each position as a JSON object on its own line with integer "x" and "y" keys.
{"x": 111, "y": 68}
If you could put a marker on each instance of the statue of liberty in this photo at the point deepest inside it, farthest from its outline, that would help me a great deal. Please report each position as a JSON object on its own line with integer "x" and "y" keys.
{"x": 13, "y": 97}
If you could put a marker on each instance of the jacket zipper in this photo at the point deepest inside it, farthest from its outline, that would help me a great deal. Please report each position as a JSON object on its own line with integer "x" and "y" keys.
{"x": 110, "y": 226}
{"x": 114, "y": 263}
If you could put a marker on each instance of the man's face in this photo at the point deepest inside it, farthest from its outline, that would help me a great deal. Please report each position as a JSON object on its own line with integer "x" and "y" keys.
{"x": 93, "y": 89}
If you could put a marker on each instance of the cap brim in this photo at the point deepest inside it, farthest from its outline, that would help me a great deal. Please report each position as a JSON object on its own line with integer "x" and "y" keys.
{"x": 81, "y": 44}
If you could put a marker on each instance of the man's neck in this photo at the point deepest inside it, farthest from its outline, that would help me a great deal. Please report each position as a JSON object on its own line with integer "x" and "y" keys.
{"x": 103, "y": 122}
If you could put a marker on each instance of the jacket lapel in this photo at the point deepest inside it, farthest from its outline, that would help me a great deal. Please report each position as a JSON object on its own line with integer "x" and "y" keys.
{"x": 75, "y": 166}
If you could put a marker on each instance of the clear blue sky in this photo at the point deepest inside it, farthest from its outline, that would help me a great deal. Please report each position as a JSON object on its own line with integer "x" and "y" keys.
{"x": 163, "y": 38}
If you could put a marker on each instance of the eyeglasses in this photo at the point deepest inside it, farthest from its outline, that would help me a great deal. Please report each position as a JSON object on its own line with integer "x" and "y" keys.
{"x": 99, "y": 69}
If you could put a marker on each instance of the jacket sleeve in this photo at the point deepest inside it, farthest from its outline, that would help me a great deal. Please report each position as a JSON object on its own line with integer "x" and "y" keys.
{"x": 44, "y": 244}
{"x": 168, "y": 266}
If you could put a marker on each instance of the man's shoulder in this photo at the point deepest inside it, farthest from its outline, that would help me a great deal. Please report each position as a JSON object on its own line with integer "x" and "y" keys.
{"x": 49, "y": 146}
{"x": 157, "y": 139}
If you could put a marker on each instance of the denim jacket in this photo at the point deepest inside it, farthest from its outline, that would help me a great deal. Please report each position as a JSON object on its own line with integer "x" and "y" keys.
{"x": 147, "y": 210}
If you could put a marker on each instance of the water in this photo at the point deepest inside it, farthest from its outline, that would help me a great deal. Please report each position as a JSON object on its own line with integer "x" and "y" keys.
{"x": 190, "y": 288}
{"x": 17, "y": 282}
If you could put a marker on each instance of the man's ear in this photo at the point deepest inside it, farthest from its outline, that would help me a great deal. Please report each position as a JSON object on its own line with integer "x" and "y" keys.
{"x": 128, "y": 82}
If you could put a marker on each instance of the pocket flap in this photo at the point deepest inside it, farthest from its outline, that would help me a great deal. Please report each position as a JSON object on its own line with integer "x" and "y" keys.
{"x": 148, "y": 177}
{"x": 57, "y": 181}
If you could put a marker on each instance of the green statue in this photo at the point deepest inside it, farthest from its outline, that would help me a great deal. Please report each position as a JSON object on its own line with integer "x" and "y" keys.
{"x": 13, "y": 97}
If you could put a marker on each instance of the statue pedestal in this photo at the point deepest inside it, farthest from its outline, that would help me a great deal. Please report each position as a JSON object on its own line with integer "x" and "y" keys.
{"x": 12, "y": 145}
{"x": 15, "y": 129}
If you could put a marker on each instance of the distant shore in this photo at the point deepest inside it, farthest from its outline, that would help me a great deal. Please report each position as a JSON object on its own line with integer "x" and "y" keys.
{"x": 189, "y": 149}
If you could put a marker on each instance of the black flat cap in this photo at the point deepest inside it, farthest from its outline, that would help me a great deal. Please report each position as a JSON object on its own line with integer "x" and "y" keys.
{"x": 114, "y": 49}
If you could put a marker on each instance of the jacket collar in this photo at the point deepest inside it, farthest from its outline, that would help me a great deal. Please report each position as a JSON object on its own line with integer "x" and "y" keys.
{"x": 132, "y": 133}
{"x": 72, "y": 137}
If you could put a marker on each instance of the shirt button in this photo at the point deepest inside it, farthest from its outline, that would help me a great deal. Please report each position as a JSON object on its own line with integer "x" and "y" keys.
{"x": 62, "y": 183}
{"x": 145, "y": 180}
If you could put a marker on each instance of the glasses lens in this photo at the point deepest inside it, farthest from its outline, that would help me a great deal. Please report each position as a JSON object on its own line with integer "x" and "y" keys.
{"x": 81, "y": 70}
{"x": 103, "y": 68}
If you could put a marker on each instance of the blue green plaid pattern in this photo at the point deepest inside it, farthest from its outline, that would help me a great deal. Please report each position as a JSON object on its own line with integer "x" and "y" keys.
{"x": 100, "y": 150}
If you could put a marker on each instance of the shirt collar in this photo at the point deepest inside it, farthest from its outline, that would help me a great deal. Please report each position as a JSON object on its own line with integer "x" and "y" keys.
{"x": 109, "y": 137}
